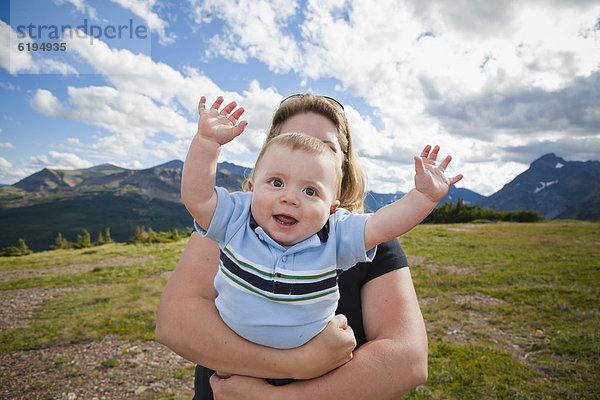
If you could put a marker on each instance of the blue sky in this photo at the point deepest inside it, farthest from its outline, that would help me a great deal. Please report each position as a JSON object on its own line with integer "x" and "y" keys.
{"x": 496, "y": 84}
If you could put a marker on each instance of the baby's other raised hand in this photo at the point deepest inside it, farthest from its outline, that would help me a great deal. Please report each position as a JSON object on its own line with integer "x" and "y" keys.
{"x": 431, "y": 180}
{"x": 219, "y": 126}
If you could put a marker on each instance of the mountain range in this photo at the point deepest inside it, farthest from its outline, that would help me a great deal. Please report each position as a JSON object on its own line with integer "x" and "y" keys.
{"x": 374, "y": 201}
{"x": 555, "y": 188}
{"x": 54, "y": 201}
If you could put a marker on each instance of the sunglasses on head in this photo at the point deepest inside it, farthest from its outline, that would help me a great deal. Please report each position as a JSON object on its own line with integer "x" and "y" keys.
{"x": 329, "y": 99}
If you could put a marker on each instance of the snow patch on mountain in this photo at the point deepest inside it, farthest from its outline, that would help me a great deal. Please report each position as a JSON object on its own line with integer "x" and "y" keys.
{"x": 543, "y": 185}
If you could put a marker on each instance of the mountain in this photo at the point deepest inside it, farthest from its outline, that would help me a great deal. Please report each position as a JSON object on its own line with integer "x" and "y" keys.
{"x": 173, "y": 164}
{"x": 48, "y": 179}
{"x": 587, "y": 209}
{"x": 468, "y": 196}
{"x": 374, "y": 201}
{"x": 550, "y": 186}
{"x": 54, "y": 201}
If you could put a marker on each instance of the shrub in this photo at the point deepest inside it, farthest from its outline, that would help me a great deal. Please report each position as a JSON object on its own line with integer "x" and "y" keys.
{"x": 455, "y": 213}
{"x": 143, "y": 235}
{"x": 83, "y": 241}
{"x": 20, "y": 249}
{"x": 107, "y": 238}
{"x": 109, "y": 363}
{"x": 61, "y": 243}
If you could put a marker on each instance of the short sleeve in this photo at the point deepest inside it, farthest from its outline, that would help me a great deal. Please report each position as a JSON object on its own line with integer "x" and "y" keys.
{"x": 349, "y": 231}
{"x": 233, "y": 210}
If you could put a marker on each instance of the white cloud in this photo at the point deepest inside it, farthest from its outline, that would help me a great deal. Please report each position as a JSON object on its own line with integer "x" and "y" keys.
{"x": 524, "y": 112}
{"x": 390, "y": 73}
{"x": 81, "y": 6}
{"x": 10, "y": 174}
{"x": 143, "y": 105}
{"x": 138, "y": 73}
{"x": 570, "y": 148}
{"x": 18, "y": 62}
{"x": 144, "y": 10}
{"x": 386, "y": 177}
{"x": 156, "y": 98}
{"x": 46, "y": 103}
{"x": 255, "y": 28}
{"x": 495, "y": 84}
{"x": 11, "y": 59}
{"x": 474, "y": 77}
{"x": 8, "y": 86}
{"x": 57, "y": 160}
{"x": 4, "y": 163}
{"x": 134, "y": 117}
{"x": 6, "y": 145}
{"x": 131, "y": 119}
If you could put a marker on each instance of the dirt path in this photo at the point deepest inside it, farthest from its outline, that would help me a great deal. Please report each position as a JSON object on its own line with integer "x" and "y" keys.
{"x": 18, "y": 304}
{"x": 109, "y": 369}
{"x": 69, "y": 269}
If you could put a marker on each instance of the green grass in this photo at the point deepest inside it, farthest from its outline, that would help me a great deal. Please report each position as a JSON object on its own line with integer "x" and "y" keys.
{"x": 111, "y": 263}
{"x": 62, "y": 257}
{"x": 473, "y": 372}
{"x": 111, "y": 299}
{"x": 512, "y": 310}
{"x": 128, "y": 311}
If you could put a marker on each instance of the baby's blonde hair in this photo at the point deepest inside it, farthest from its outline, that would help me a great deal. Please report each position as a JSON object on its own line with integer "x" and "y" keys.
{"x": 353, "y": 180}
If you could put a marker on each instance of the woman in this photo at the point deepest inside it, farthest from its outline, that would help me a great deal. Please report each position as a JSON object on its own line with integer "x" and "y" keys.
{"x": 377, "y": 298}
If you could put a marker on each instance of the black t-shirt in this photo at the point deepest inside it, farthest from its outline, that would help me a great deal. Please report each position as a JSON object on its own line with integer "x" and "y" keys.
{"x": 389, "y": 257}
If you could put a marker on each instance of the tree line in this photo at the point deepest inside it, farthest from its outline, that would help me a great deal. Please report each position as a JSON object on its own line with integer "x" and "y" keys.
{"x": 142, "y": 235}
{"x": 446, "y": 213}
{"x": 449, "y": 213}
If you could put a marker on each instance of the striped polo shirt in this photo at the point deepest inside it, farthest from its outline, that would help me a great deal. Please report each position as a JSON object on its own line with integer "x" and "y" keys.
{"x": 275, "y": 296}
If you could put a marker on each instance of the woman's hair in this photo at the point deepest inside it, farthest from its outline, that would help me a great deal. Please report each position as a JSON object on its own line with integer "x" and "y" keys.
{"x": 353, "y": 180}
{"x": 300, "y": 141}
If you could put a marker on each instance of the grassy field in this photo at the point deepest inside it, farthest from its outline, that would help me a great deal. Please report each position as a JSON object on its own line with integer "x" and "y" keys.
{"x": 512, "y": 312}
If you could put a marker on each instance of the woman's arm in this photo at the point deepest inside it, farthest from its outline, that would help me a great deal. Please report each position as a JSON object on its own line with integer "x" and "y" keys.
{"x": 390, "y": 364}
{"x": 189, "y": 324}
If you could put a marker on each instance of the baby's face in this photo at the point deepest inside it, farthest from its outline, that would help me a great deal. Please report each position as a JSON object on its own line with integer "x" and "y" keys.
{"x": 294, "y": 192}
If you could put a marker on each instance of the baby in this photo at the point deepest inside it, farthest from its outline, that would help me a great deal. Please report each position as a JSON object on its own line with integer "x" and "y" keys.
{"x": 284, "y": 243}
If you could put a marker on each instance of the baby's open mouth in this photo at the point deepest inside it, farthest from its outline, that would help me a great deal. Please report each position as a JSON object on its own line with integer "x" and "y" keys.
{"x": 285, "y": 219}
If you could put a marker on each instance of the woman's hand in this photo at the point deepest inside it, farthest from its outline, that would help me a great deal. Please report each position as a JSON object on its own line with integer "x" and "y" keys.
{"x": 431, "y": 180}
{"x": 328, "y": 350}
{"x": 222, "y": 126}
{"x": 239, "y": 387}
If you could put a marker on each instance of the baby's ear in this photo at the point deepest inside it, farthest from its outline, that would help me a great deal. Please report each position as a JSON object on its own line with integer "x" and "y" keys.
{"x": 334, "y": 207}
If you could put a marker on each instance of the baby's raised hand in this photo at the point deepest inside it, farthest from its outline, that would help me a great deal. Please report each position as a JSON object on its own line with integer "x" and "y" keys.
{"x": 220, "y": 126}
{"x": 431, "y": 180}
